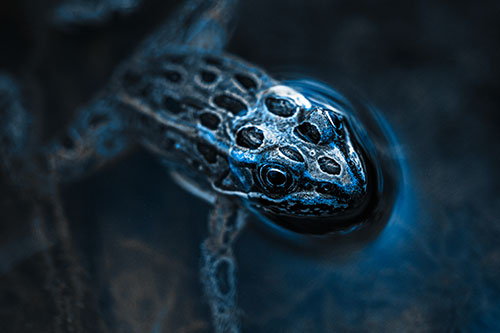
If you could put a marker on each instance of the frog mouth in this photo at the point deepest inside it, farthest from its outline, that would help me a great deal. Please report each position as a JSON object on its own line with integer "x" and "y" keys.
{"x": 314, "y": 215}
{"x": 298, "y": 204}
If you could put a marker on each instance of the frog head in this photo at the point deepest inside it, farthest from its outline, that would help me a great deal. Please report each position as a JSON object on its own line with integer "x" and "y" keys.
{"x": 297, "y": 162}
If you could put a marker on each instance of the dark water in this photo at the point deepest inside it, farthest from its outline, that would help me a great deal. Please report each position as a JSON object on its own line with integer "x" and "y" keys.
{"x": 430, "y": 68}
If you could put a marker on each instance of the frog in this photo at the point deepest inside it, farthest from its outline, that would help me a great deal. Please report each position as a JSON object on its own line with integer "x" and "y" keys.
{"x": 227, "y": 131}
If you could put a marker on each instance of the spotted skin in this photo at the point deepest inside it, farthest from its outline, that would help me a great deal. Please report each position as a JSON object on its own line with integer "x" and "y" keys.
{"x": 232, "y": 128}
{"x": 223, "y": 123}
{"x": 241, "y": 138}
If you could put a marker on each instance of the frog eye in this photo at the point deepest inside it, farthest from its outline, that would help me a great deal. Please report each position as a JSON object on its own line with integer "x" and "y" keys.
{"x": 275, "y": 178}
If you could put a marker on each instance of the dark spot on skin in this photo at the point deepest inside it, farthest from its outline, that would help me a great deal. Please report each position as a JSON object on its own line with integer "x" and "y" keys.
{"x": 292, "y": 154}
{"x": 280, "y": 107}
{"x": 212, "y": 61}
{"x": 193, "y": 103}
{"x": 67, "y": 142}
{"x": 250, "y": 137}
{"x": 172, "y": 105}
{"x": 172, "y": 76}
{"x": 209, "y": 120}
{"x": 222, "y": 276}
{"x": 232, "y": 104}
{"x": 329, "y": 165}
{"x": 98, "y": 119}
{"x": 208, "y": 76}
{"x": 208, "y": 152}
{"x": 247, "y": 82}
{"x": 308, "y": 132}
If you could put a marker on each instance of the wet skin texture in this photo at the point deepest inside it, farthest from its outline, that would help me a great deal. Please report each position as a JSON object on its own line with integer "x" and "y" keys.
{"x": 228, "y": 125}
{"x": 234, "y": 131}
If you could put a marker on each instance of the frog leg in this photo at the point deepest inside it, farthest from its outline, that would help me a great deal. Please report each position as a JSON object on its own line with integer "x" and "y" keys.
{"x": 100, "y": 133}
{"x": 198, "y": 24}
{"x": 85, "y": 12}
{"x": 218, "y": 269}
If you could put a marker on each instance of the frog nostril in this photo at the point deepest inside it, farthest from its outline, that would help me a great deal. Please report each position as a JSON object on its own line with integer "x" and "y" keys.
{"x": 308, "y": 132}
{"x": 338, "y": 126}
{"x": 329, "y": 165}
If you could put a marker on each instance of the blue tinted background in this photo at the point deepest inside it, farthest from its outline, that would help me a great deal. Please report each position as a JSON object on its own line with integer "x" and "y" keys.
{"x": 430, "y": 67}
